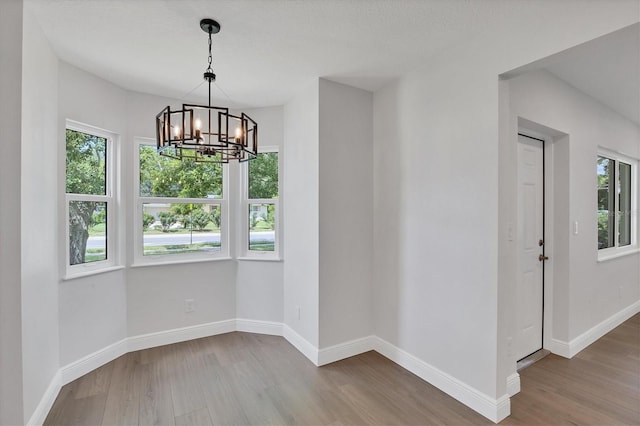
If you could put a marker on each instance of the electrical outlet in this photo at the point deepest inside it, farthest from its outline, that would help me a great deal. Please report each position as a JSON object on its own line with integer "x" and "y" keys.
{"x": 189, "y": 305}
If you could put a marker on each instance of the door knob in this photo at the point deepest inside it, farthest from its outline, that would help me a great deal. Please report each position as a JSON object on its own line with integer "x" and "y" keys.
{"x": 542, "y": 258}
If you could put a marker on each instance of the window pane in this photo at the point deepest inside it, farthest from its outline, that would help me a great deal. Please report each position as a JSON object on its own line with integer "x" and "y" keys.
{"x": 624, "y": 207}
{"x": 86, "y": 163}
{"x": 180, "y": 228}
{"x": 262, "y": 227}
{"x": 162, "y": 176}
{"x": 606, "y": 200}
{"x": 263, "y": 176}
{"x": 87, "y": 231}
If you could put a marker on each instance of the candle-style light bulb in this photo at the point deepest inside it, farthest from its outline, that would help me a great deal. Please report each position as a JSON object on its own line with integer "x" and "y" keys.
{"x": 198, "y": 127}
{"x": 238, "y": 135}
{"x": 176, "y": 130}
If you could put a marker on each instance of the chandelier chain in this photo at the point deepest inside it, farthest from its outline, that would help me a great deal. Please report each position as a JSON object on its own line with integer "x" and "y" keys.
{"x": 210, "y": 56}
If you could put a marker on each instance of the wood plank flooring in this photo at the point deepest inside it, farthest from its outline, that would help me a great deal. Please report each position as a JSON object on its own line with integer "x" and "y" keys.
{"x": 599, "y": 386}
{"x": 243, "y": 378}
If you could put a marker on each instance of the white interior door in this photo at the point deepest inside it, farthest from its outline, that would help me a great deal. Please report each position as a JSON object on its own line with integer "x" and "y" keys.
{"x": 530, "y": 245}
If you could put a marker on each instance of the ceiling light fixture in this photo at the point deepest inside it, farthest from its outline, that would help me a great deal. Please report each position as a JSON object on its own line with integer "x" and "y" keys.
{"x": 206, "y": 134}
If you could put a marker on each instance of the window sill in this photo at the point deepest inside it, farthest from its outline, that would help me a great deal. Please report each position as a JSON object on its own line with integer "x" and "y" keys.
{"x": 177, "y": 262}
{"x": 70, "y": 277}
{"x": 610, "y": 256}
{"x": 260, "y": 259}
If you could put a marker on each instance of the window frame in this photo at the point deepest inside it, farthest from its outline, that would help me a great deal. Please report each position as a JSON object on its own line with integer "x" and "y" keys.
{"x": 617, "y": 249}
{"x": 243, "y": 235}
{"x": 139, "y": 259}
{"x": 110, "y": 198}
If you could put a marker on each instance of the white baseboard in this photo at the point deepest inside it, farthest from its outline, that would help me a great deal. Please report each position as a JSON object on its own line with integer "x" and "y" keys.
{"x": 79, "y": 368}
{"x": 300, "y": 343}
{"x": 42, "y": 410}
{"x": 560, "y": 348}
{"x": 513, "y": 384}
{"x": 345, "y": 350}
{"x": 502, "y": 410}
{"x": 167, "y": 337}
{"x": 596, "y": 332}
{"x": 572, "y": 348}
{"x": 259, "y": 327}
{"x": 493, "y": 409}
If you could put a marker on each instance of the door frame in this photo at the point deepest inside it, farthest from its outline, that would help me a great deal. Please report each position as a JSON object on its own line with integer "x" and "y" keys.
{"x": 548, "y": 166}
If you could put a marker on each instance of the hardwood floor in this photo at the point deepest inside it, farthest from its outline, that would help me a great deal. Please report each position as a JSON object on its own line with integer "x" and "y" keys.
{"x": 599, "y": 386}
{"x": 242, "y": 378}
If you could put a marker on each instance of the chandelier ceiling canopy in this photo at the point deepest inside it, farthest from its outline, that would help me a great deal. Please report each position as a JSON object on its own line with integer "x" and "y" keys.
{"x": 206, "y": 134}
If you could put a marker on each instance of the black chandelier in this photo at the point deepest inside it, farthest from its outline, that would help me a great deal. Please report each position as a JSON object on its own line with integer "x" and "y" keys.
{"x": 206, "y": 134}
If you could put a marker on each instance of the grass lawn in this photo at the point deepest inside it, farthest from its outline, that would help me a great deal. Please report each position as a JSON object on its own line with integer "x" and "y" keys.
{"x": 181, "y": 248}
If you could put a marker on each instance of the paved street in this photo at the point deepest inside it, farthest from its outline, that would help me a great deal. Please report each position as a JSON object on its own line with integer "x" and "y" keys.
{"x": 171, "y": 238}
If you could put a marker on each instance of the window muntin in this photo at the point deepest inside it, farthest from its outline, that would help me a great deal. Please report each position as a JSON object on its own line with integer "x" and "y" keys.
{"x": 180, "y": 208}
{"x": 262, "y": 204}
{"x": 89, "y": 199}
{"x": 615, "y": 189}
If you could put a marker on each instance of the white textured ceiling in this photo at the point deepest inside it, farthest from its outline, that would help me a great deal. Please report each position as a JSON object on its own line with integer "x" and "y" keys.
{"x": 268, "y": 49}
{"x": 265, "y": 50}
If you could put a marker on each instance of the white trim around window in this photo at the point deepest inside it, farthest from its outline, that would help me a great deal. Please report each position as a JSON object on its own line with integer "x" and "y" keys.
{"x": 149, "y": 203}
{"x": 111, "y": 203}
{"x": 246, "y": 252}
{"x": 621, "y": 205}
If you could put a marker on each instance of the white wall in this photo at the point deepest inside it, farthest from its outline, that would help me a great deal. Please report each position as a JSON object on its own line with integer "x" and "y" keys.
{"x": 259, "y": 284}
{"x": 156, "y": 294}
{"x": 346, "y": 213}
{"x": 435, "y": 263}
{"x": 93, "y": 312}
{"x": 11, "y": 388}
{"x": 150, "y": 299}
{"x": 436, "y": 132}
{"x": 594, "y": 291}
{"x": 222, "y": 289}
{"x": 301, "y": 203}
{"x": 39, "y": 193}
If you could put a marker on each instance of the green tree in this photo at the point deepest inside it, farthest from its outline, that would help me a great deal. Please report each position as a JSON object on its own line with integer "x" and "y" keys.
{"x": 147, "y": 220}
{"x": 167, "y": 219}
{"x": 85, "y": 174}
{"x": 167, "y": 177}
{"x": 182, "y": 209}
{"x": 99, "y": 217}
{"x": 263, "y": 176}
